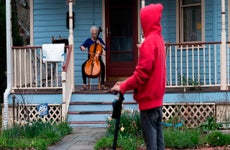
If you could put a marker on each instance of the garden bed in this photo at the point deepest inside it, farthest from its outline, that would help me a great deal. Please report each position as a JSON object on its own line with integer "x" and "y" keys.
{"x": 33, "y": 135}
{"x": 205, "y": 137}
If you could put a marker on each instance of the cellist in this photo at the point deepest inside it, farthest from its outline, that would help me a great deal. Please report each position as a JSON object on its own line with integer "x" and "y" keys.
{"x": 88, "y": 42}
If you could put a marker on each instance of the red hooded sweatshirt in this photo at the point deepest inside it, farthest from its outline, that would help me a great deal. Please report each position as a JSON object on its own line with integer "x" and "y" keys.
{"x": 148, "y": 79}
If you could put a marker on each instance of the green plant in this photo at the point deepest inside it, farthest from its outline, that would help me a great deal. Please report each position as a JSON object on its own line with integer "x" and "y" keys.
{"x": 129, "y": 124}
{"x": 124, "y": 142}
{"x": 210, "y": 125}
{"x": 217, "y": 139}
{"x": 186, "y": 138}
{"x": 36, "y": 134}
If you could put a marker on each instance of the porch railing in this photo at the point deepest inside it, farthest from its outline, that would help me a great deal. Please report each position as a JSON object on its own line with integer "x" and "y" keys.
{"x": 67, "y": 81}
{"x": 194, "y": 64}
{"x": 30, "y": 72}
{"x": 188, "y": 65}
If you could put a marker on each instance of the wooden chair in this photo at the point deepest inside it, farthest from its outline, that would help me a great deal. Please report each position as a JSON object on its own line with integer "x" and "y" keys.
{"x": 99, "y": 82}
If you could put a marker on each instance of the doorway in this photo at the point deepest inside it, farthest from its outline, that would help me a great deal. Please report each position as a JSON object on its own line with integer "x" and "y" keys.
{"x": 121, "y": 38}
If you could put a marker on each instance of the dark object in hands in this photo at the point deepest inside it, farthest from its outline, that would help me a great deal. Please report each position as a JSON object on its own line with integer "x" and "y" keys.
{"x": 117, "y": 106}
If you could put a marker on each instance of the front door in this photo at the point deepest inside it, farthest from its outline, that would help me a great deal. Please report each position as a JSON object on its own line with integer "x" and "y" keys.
{"x": 121, "y": 38}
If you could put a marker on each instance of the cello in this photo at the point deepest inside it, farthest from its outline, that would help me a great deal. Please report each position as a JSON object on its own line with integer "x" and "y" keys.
{"x": 93, "y": 67}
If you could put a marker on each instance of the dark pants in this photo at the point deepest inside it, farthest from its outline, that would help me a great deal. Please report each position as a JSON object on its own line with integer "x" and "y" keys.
{"x": 102, "y": 72}
{"x": 152, "y": 128}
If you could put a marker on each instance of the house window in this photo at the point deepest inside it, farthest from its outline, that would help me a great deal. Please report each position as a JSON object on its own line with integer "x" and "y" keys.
{"x": 190, "y": 20}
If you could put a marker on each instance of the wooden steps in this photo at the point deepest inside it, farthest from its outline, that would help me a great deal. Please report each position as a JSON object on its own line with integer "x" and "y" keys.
{"x": 93, "y": 109}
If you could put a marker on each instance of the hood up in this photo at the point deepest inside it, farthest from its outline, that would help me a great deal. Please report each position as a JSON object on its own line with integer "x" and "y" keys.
{"x": 150, "y": 19}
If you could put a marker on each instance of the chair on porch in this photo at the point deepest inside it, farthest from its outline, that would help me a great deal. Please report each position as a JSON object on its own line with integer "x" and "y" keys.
{"x": 99, "y": 82}
{"x": 52, "y": 55}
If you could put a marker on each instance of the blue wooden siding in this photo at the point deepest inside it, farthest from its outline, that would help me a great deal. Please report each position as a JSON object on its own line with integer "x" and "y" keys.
{"x": 49, "y": 20}
{"x": 198, "y": 97}
{"x": 88, "y": 13}
{"x": 36, "y": 98}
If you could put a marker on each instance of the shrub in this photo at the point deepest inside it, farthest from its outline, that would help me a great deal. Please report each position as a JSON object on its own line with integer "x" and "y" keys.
{"x": 129, "y": 124}
{"x": 124, "y": 142}
{"x": 36, "y": 135}
{"x": 186, "y": 138}
{"x": 210, "y": 125}
{"x": 218, "y": 139}
{"x": 176, "y": 137}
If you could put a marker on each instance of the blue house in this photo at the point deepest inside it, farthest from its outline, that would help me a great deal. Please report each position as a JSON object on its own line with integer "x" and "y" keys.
{"x": 196, "y": 34}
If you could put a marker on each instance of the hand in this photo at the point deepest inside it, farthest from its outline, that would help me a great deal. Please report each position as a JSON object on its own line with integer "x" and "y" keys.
{"x": 97, "y": 55}
{"x": 98, "y": 42}
{"x": 82, "y": 48}
{"x": 115, "y": 88}
{"x": 138, "y": 45}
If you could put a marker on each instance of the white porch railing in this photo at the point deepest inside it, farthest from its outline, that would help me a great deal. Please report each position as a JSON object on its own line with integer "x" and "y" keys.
{"x": 30, "y": 72}
{"x": 67, "y": 81}
{"x": 188, "y": 65}
{"x": 194, "y": 64}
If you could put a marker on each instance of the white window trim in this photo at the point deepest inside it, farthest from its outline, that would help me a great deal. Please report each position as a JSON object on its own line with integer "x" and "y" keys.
{"x": 32, "y": 22}
{"x": 179, "y": 22}
{"x": 228, "y": 20}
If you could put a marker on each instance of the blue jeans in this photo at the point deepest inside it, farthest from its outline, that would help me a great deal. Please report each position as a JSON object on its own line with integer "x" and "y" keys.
{"x": 152, "y": 128}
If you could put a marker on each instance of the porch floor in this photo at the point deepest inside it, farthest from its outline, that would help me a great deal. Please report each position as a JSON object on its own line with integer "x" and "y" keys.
{"x": 94, "y": 90}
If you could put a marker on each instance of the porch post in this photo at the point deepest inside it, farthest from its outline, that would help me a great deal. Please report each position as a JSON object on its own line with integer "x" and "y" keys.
{"x": 223, "y": 66}
{"x": 71, "y": 40}
{"x": 142, "y": 5}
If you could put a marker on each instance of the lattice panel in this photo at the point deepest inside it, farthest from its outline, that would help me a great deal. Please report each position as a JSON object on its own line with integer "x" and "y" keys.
{"x": 191, "y": 114}
{"x": 29, "y": 112}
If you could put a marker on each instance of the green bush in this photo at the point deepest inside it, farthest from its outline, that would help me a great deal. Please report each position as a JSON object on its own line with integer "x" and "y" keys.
{"x": 218, "y": 139}
{"x": 186, "y": 138}
{"x": 35, "y": 134}
{"x": 129, "y": 124}
{"x": 124, "y": 142}
{"x": 130, "y": 134}
{"x": 210, "y": 125}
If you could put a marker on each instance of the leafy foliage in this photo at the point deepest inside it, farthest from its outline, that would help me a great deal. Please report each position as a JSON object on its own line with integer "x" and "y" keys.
{"x": 210, "y": 125}
{"x": 35, "y": 134}
{"x": 129, "y": 124}
{"x": 186, "y": 138}
{"x": 176, "y": 137}
{"x": 217, "y": 138}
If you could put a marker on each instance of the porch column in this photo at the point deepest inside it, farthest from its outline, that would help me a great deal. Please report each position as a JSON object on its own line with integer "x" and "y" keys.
{"x": 223, "y": 64}
{"x": 142, "y": 5}
{"x": 71, "y": 39}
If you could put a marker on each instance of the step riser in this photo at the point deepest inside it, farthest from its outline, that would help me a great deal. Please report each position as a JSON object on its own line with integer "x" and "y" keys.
{"x": 87, "y": 117}
{"x": 98, "y": 107}
{"x": 94, "y": 109}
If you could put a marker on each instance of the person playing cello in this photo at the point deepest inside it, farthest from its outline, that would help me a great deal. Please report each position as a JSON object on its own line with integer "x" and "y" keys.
{"x": 88, "y": 42}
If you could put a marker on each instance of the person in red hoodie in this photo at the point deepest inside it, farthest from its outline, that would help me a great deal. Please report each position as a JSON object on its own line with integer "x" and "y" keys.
{"x": 149, "y": 77}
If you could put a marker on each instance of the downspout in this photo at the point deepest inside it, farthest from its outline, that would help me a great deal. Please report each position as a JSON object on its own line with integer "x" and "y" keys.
{"x": 71, "y": 39}
{"x": 223, "y": 76}
{"x": 8, "y": 59}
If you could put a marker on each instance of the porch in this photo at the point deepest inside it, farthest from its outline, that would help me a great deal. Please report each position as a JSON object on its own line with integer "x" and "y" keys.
{"x": 193, "y": 82}
{"x": 190, "y": 66}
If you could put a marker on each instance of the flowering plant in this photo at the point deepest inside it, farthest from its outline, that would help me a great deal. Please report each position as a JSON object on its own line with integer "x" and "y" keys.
{"x": 129, "y": 123}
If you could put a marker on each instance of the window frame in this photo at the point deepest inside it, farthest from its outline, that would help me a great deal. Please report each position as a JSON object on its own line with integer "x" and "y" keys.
{"x": 179, "y": 21}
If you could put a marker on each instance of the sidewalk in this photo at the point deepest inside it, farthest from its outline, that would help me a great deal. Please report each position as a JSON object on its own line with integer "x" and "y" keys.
{"x": 81, "y": 138}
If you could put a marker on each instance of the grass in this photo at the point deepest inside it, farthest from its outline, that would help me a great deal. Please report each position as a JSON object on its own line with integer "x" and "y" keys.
{"x": 36, "y": 135}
